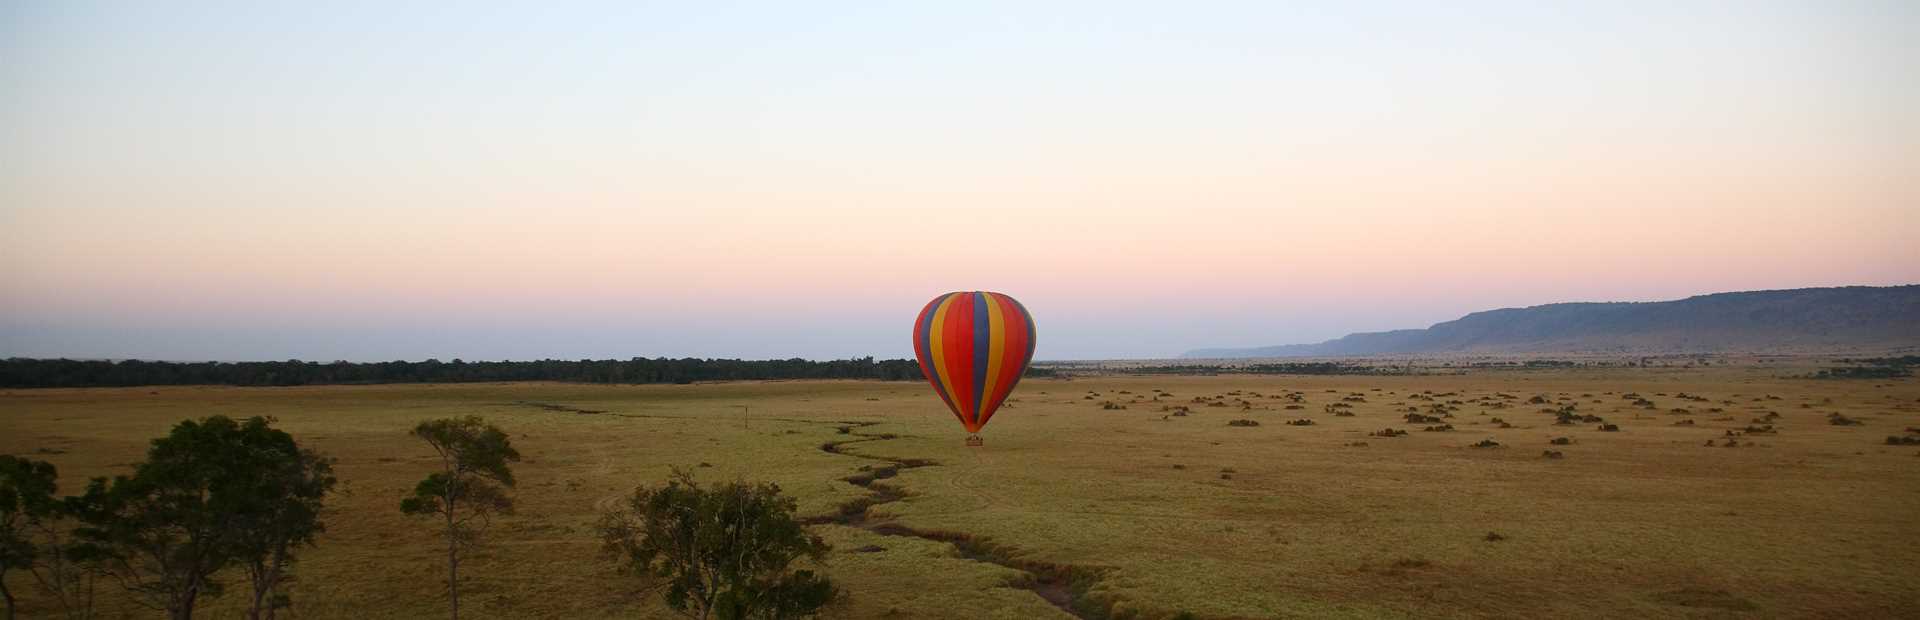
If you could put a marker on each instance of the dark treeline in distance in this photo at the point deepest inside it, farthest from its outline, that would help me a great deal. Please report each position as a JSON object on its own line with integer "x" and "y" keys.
{"x": 35, "y": 373}
{"x": 1872, "y": 368}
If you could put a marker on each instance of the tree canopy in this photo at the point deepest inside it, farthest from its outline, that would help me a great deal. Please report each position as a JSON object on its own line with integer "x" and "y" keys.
{"x": 724, "y": 551}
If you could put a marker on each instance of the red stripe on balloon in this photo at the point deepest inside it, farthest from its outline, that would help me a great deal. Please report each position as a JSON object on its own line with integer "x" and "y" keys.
{"x": 1014, "y": 353}
{"x": 958, "y": 347}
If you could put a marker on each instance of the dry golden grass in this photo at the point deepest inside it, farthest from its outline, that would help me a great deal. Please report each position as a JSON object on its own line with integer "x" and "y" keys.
{"x": 1815, "y": 521}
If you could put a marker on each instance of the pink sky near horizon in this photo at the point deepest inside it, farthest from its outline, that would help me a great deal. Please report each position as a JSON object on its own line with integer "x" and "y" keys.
{"x": 743, "y": 212}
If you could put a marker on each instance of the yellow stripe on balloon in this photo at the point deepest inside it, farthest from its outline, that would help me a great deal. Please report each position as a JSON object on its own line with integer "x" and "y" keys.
{"x": 936, "y": 339}
{"x": 996, "y": 349}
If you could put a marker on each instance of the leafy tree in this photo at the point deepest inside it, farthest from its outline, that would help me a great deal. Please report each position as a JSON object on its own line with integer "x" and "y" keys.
{"x": 725, "y": 551}
{"x": 65, "y": 570}
{"x": 26, "y": 500}
{"x": 469, "y": 488}
{"x": 287, "y": 518}
{"x": 211, "y": 493}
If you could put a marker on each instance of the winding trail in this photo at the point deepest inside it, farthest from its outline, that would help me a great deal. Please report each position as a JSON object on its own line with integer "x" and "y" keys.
{"x": 1064, "y": 586}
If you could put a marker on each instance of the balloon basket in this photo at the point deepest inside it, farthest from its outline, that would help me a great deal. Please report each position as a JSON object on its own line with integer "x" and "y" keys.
{"x": 974, "y": 441}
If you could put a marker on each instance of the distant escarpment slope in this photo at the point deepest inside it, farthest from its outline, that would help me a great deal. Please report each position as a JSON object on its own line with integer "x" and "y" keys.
{"x": 1808, "y": 319}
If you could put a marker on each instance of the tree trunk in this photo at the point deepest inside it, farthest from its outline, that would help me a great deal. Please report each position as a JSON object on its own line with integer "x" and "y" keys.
{"x": 8, "y": 594}
{"x": 262, "y": 584}
{"x": 183, "y": 606}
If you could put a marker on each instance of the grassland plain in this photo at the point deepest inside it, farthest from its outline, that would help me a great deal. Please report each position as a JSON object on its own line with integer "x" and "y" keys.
{"x": 1150, "y": 512}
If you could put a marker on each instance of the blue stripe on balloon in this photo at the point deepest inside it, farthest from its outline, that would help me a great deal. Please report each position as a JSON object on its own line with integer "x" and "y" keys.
{"x": 982, "y": 349}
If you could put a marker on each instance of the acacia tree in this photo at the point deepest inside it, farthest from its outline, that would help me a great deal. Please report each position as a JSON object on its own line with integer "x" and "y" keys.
{"x": 26, "y": 501}
{"x": 469, "y": 488}
{"x": 725, "y": 551}
{"x": 206, "y": 497}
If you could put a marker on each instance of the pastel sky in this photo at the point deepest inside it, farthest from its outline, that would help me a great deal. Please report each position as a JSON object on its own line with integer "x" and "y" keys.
{"x": 378, "y": 180}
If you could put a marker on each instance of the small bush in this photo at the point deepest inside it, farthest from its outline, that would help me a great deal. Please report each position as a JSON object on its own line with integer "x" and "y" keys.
{"x": 1609, "y": 428}
{"x": 1840, "y": 420}
{"x": 1486, "y": 443}
{"x": 1242, "y": 422}
{"x": 1300, "y": 422}
{"x": 1387, "y": 432}
{"x": 1552, "y": 454}
{"x": 1561, "y": 441}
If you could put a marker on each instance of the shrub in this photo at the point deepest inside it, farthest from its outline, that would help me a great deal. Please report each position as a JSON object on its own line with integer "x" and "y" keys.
{"x": 1561, "y": 441}
{"x": 727, "y": 551}
{"x": 1609, "y": 428}
{"x": 1486, "y": 443}
{"x": 1300, "y": 422}
{"x": 1552, "y": 454}
{"x": 1242, "y": 422}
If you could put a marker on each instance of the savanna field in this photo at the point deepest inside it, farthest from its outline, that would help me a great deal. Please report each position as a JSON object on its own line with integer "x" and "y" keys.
{"x": 1122, "y": 495}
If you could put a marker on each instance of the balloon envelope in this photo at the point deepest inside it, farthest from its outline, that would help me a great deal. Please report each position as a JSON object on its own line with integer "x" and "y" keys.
{"x": 973, "y": 347}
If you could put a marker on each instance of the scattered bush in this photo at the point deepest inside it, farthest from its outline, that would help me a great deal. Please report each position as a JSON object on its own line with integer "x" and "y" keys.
{"x": 1443, "y": 428}
{"x": 1552, "y": 454}
{"x": 1839, "y": 420}
{"x": 1387, "y": 432}
{"x": 1486, "y": 443}
{"x": 1609, "y": 428}
{"x": 1561, "y": 441}
{"x": 1300, "y": 422}
{"x": 1242, "y": 422}
{"x": 727, "y": 551}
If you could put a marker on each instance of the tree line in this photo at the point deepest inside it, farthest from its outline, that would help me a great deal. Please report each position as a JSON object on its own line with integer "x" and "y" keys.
{"x": 40, "y": 373}
{"x": 218, "y": 501}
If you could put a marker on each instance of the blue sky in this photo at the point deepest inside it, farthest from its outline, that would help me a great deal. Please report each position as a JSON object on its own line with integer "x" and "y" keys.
{"x": 268, "y": 180}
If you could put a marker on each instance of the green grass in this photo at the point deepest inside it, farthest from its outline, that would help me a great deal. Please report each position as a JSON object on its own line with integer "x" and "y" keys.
{"x": 1813, "y": 522}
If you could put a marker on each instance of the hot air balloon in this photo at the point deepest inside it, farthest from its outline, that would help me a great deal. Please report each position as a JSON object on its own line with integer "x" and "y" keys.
{"x": 973, "y": 347}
